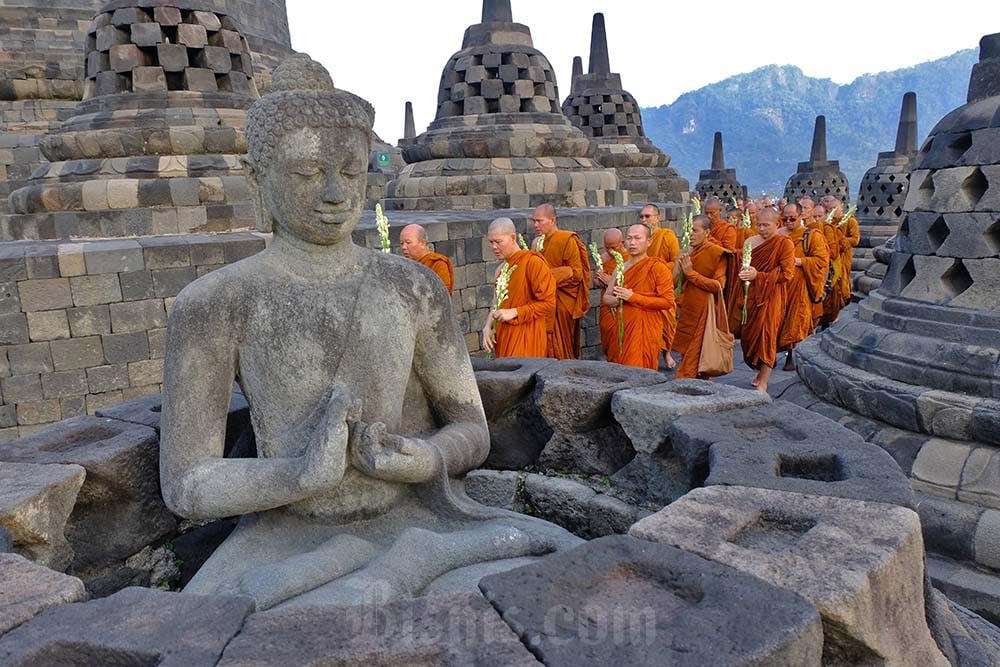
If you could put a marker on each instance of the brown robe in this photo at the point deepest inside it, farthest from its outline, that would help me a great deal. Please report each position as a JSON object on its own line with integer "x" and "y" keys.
{"x": 705, "y": 282}
{"x": 532, "y": 290}
{"x": 774, "y": 260}
{"x": 440, "y": 265}
{"x": 607, "y": 321}
{"x": 570, "y": 263}
{"x": 653, "y": 293}
{"x": 800, "y": 310}
{"x": 664, "y": 244}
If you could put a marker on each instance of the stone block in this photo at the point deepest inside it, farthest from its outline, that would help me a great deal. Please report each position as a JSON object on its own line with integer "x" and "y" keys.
{"x": 938, "y": 467}
{"x": 172, "y": 57}
{"x": 133, "y": 626}
{"x": 136, "y": 285}
{"x": 101, "y": 379}
{"x": 144, "y": 373}
{"x": 200, "y": 80}
{"x": 857, "y": 470}
{"x": 33, "y": 413}
{"x": 619, "y": 600}
{"x": 949, "y": 527}
{"x": 987, "y": 541}
{"x": 64, "y": 384}
{"x": 27, "y": 589}
{"x": 692, "y": 435}
{"x": 646, "y": 413}
{"x": 89, "y": 320}
{"x": 602, "y": 451}
{"x": 148, "y": 80}
{"x": 147, "y": 34}
{"x": 126, "y": 57}
{"x": 575, "y": 396}
{"x": 13, "y": 329}
{"x": 48, "y": 325}
{"x": 859, "y": 563}
{"x": 576, "y": 507}
{"x": 134, "y": 316}
{"x": 109, "y": 36}
{"x": 209, "y": 20}
{"x": 167, "y": 15}
{"x": 113, "y": 257}
{"x": 48, "y": 294}
{"x": 495, "y": 488}
{"x": 192, "y": 36}
{"x": 119, "y": 509}
{"x": 29, "y": 358}
{"x": 97, "y": 289}
{"x": 35, "y": 503}
{"x": 517, "y": 431}
{"x": 214, "y": 58}
{"x": 18, "y": 388}
{"x": 453, "y": 629}
{"x": 127, "y": 347}
{"x": 95, "y": 402}
{"x": 77, "y": 353}
{"x": 169, "y": 282}
{"x": 127, "y": 16}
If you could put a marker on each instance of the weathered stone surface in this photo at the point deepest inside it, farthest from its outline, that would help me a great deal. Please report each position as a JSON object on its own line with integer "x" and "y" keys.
{"x": 646, "y": 413}
{"x": 496, "y": 488}
{"x": 517, "y": 431}
{"x": 692, "y": 435}
{"x": 618, "y": 600}
{"x": 832, "y": 468}
{"x": 35, "y": 503}
{"x": 654, "y": 479}
{"x": 577, "y": 507}
{"x": 119, "y": 509}
{"x": 135, "y": 626}
{"x": 575, "y": 396}
{"x": 602, "y": 451}
{"x": 859, "y": 563}
{"x": 27, "y": 589}
{"x": 967, "y": 640}
{"x": 457, "y": 629}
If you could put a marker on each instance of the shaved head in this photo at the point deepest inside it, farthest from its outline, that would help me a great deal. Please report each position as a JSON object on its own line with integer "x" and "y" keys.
{"x": 613, "y": 238}
{"x": 413, "y": 240}
{"x": 544, "y": 219}
{"x": 503, "y": 226}
{"x": 502, "y": 237}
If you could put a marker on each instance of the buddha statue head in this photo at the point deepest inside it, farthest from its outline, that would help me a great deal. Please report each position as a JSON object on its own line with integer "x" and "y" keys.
{"x": 307, "y": 155}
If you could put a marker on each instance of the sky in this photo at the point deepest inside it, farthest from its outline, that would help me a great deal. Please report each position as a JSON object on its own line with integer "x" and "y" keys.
{"x": 391, "y": 51}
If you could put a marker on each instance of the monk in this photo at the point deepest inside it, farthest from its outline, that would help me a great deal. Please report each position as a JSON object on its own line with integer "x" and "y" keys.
{"x": 848, "y": 237}
{"x": 413, "y": 240}
{"x": 704, "y": 270}
{"x": 568, "y": 259}
{"x": 804, "y": 303}
{"x": 664, "y": 245}
{"x": 806, "y": 204}
{"x": 606, "y": 320}
{"x": 723, "y": 233}
{"x": 772, "y": 266}
{"x": 522, "y": 319}
{"x": 648, "y": 291}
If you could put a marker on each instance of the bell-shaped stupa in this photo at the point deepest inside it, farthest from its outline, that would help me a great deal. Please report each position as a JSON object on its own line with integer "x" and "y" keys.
{"x": 610, "y": 116}
{"x": 499, "y": 139}
{"x": 719, "y": 181}
{"x": 819, "y": 176}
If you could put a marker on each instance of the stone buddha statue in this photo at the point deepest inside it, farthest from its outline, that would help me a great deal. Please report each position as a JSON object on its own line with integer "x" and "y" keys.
{"x": 361, "y": 393}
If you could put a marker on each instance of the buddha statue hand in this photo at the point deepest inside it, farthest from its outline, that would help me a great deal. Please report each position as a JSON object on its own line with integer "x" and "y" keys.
{"x": 325, "y": 460}
{"x": 393, "y": 458}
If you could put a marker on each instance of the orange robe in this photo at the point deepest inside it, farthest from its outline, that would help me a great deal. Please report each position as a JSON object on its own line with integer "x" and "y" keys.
{"x": 774, "y": 260}
{"x": 440, "y": 265}
{"x": 532, "y": 290}
{"x": 724, "y": 233}
{"x": 570, "y": 263}
{"x": 840, "y": 257}
{"x": 653, "y": 288}
{"x": 734, "y": 287}
{"x": 705, "y": 282}
{"x": 664, "y": 244}
{"x": 608, "y": 321}
{"x": 801, "y": 311}
{"x": 850, "y": 238}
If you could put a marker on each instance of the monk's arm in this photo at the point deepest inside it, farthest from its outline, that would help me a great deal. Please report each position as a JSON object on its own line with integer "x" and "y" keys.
{"x": 852, "y": 234}
{"x": 440, "y": 267}
{"x": 197, "y": 482}
{"x": 571, "y": 273}
{"x": 543, "y": 291}
{"x": 441, "y": 363}
{"x": 786, "y": 263}
{"x": 663, "y": 294}
{"x": 712, "y": 285}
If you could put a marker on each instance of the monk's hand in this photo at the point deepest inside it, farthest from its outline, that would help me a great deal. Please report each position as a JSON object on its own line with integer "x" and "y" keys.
{"x": 505, "y": 314}
{"x": 685, "y": 262}
{"x": 325, "y": 460}
{"x": 798, "y": 261}
{"x": 393, "y": 458}
{"x": 603, "y": 278}
{"x": 623, "y": 293}
{"x": 749, "y": 275}
{"x": 488, "y": 341}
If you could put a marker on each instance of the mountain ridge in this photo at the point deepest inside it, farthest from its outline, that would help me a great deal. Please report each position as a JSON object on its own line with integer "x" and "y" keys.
{"x": 767, "y": 116}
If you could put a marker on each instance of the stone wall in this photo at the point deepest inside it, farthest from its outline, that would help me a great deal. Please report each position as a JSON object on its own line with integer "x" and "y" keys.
{"x": 82, "y": 323}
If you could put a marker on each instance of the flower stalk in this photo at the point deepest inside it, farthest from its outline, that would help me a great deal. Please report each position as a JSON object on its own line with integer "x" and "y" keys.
{"x": 747, "y": 258}
{"x": 382, "y": 225}
{"x": 501, "y": 292}
{"x": 619, "y": 280}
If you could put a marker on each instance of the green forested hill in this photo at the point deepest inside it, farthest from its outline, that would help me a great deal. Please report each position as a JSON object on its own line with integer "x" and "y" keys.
{"x": 766, "y": 117}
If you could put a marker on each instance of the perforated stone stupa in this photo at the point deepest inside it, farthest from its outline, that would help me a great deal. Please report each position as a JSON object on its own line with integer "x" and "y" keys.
{"x": 611, "y": 117}
{"x": 499, "y": 139}
{"x": 719, "y": 181}
{"x": 819, "y": 176}
{"x": 154, "y": 146}
{"x": 922, "y": 352}
{"x": 883, "y": 191}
